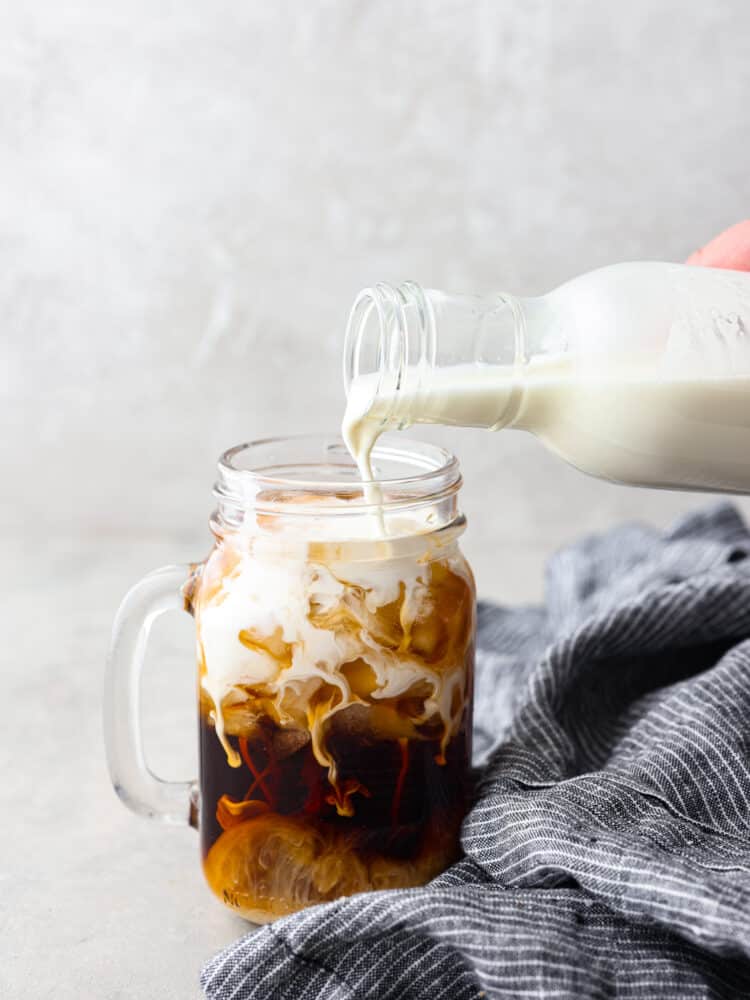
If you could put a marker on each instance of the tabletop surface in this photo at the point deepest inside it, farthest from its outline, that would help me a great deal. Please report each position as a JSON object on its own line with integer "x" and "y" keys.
{"x": 98, "y": 902}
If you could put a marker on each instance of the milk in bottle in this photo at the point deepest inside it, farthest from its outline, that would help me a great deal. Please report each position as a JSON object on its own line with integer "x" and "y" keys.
{"x": 637, "y": 373}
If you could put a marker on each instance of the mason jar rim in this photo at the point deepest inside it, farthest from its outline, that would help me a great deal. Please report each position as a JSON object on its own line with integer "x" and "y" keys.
{"x": 276, "y": 474}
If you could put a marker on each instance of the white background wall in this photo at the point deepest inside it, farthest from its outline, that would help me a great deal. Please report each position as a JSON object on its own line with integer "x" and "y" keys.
{"x": 192, "y": 193}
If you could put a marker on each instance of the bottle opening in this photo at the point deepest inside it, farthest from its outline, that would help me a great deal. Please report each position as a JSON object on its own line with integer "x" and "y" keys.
{"x": 389, "y": 329}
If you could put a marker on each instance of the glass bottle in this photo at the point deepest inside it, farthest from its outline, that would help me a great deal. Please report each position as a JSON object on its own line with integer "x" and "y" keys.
{"x": 637, "y": 373}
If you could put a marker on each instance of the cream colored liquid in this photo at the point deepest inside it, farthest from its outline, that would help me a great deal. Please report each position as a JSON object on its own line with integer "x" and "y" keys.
{"x": 635, "y": 423}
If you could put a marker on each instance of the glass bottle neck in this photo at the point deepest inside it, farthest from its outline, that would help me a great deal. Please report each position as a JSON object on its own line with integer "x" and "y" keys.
{"x": 415, "y": 355}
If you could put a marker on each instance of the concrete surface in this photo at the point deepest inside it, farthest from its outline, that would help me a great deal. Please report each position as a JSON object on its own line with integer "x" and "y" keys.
{"x": 190, "y": 196}
{"x": 95, "y": 901}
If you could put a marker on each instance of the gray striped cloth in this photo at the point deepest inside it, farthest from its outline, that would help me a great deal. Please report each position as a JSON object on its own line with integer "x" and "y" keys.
{"x": 608, "y": 851}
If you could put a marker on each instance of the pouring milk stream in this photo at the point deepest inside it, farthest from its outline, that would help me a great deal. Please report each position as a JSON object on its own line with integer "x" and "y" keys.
{"x": 638, "y": 372}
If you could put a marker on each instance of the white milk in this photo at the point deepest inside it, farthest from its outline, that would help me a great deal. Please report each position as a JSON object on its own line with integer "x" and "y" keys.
{"x": 673, "y": 412}
{"x": 666, "y": 432}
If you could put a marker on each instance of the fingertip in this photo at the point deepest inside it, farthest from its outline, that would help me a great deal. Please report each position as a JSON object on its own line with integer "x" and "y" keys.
{"x": 730, "y": 249}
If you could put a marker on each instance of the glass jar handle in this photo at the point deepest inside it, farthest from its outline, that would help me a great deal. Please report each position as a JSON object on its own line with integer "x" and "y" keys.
{"x": 140, "y": 789}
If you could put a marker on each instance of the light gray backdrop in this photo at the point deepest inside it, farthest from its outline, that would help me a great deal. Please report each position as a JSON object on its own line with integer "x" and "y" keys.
{"x": 191, "y": 193}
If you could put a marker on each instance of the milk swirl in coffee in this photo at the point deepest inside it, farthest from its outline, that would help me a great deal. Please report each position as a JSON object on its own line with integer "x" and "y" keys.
{"x": 335, "y": 701}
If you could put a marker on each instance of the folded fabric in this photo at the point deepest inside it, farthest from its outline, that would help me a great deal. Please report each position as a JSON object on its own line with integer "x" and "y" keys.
{"x": 608, "y": 851}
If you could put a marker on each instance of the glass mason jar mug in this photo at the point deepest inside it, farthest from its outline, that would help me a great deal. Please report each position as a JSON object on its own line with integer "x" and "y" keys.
{"x": 335, "y": 642}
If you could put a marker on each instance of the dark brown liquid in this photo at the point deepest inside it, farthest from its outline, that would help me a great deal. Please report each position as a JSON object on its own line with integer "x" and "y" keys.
{"x": 273, "y": 839}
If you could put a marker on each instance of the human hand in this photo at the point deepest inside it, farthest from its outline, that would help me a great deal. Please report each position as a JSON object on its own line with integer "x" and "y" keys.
{"x": 730, "y": 249}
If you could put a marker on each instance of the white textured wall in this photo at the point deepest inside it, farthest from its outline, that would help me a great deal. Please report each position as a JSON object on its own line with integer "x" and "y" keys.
{"x": 191, "y": 194}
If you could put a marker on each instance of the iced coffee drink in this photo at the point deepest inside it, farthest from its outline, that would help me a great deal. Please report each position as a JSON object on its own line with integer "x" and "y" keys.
{"x": 335, "y": 684}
